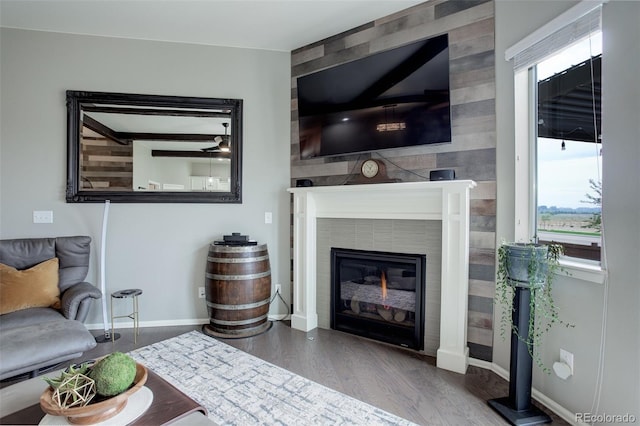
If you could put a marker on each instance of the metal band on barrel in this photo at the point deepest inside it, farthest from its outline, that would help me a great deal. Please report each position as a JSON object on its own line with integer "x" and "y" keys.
{"x": 238, "y": 307}
{"x": 241, "y": 322}
{"x": 237, "y": 259}
{"x": 238, "y": 249}
{"x": 238, "y": 277}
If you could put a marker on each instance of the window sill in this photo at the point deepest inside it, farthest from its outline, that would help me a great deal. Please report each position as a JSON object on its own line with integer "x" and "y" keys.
{"x": 582, "y": 271}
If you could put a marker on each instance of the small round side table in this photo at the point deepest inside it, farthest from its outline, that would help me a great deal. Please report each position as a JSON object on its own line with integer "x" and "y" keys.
{"x": 132, "y": 293}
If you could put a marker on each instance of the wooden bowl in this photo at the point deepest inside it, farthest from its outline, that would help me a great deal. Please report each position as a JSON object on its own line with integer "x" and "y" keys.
{"x": 94, "y": 412}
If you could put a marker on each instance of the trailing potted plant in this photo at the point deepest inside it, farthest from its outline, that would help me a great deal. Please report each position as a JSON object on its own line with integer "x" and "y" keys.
{"x": 524, "y": 287}
{"x": 532, "y": 266}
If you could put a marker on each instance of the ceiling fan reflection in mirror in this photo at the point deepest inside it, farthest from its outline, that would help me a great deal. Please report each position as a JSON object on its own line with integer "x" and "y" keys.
{"x": 222, "y": 142}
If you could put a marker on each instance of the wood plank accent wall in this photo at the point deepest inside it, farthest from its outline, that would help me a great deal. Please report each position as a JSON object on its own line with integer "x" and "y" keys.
{"x": 472, "y": 153}
{"x": 106, "y": 165}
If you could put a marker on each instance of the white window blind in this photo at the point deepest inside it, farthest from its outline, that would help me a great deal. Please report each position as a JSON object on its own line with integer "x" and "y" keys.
{"x": 571, "y": 26}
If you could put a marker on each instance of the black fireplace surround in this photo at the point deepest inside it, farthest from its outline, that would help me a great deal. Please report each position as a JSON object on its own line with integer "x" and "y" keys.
{"x": 379, "y": 295}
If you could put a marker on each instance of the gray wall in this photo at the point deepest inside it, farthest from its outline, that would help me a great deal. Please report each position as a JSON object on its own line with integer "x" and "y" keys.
{"x": 470, "y": 26}
{"x": 582, "y": 302}
{"x": 160, "y": 248}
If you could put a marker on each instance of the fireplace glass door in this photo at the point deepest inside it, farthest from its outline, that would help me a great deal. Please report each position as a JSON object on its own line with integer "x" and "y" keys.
{"x": 379, "y": 295}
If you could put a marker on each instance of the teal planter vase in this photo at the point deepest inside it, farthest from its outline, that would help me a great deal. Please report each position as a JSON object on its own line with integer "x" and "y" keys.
{"x": 527, "y": 264}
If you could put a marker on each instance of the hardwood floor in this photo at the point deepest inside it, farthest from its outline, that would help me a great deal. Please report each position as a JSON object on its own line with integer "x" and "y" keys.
{"x": 400, "y": 381}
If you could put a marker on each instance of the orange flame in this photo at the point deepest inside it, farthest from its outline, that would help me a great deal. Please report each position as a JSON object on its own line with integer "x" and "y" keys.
{"x": 383, "y": 286}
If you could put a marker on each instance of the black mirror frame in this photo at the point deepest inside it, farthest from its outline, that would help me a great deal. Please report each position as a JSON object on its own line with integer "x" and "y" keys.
{"x": 75, "y": 99}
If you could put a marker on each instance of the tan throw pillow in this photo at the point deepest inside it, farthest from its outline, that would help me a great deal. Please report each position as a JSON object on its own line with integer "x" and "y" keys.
{"x": 36, "y": 287}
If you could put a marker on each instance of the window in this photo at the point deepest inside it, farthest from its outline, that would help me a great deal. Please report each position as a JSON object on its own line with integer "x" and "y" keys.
{"x": 568, "y": 155}
{"x": 558, "y": 137}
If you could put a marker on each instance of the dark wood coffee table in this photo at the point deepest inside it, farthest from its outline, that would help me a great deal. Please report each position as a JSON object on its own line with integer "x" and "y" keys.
{"x": 169, "y": 404}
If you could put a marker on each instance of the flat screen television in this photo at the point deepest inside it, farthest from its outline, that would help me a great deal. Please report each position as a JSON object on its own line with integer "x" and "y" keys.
{"x": 391, "y": 99}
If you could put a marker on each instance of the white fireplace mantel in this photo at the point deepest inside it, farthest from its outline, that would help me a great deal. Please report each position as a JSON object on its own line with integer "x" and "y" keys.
{"x": 446, "y": 201}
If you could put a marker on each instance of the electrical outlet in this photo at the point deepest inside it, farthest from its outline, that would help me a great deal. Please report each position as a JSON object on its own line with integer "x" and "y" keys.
{"x": 268, "y": 217}
{"x": 278, "y": 288}
{"x": 201, "y": 293}
{"x": 567, "y": 358}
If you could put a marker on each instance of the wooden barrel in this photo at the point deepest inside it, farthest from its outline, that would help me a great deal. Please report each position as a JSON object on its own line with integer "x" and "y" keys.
{"x": 238, "y": 290}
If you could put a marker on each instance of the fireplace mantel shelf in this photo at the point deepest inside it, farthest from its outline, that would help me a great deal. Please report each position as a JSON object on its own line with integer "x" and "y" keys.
{"x": 409, "y": 200}
{"x": 446, "y": 201}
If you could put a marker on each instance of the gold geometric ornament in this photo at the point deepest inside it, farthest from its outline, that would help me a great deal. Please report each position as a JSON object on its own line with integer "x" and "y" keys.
{"x": 74, "y": 391}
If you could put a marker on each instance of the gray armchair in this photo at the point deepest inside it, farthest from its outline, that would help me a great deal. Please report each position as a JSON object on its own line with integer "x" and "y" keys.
{"x": 34, "y": 338}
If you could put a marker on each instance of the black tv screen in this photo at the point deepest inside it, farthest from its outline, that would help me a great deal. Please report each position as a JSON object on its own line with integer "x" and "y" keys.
{"x": 391, "y": 99}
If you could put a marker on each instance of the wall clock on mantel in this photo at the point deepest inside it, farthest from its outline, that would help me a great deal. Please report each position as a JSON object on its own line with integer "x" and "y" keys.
{"x": 372, "y": 171}
{"x": 371, "y": 168}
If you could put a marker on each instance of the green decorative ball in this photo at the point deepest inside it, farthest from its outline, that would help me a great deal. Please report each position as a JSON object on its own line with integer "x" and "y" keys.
{"x": 113, "y": 374}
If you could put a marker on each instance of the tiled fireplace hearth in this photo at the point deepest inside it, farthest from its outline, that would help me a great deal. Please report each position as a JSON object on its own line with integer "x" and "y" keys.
{"x": 445, "y": 201}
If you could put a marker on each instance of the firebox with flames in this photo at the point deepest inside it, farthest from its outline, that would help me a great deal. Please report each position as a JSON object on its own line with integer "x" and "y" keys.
{"x": 376, "y": 295}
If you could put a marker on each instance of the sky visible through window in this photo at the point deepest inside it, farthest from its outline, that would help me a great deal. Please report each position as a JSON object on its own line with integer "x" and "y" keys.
{"x": 563, "y": 175}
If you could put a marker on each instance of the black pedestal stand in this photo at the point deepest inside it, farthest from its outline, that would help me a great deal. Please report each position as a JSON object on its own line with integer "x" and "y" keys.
{"x": 517, "y": 408}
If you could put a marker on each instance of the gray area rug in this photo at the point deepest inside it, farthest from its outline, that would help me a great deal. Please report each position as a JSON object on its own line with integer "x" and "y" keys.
{"x": 240, "y": 389}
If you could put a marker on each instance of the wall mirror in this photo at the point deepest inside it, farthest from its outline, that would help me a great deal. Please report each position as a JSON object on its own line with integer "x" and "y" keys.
{"x": 148, "y": 148}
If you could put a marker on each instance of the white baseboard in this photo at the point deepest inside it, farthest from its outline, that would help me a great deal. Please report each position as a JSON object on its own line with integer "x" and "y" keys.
{"x": 280, "y": 317}
{"x": 171, "y": 323}
{"x": 159, "y": 323}
{"x": 499, "y": 371}
{"x": 481, "y": 363}
{"x": 562, "y": 412}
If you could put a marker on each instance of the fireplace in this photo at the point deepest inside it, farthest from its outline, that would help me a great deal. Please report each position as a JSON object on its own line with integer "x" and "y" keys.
{"x": 444, "y": 201}
{"x": 379, "y": 295}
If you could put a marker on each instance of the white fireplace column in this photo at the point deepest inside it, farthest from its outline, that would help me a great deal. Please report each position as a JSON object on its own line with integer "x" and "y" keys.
{"x": 447, "y": 201}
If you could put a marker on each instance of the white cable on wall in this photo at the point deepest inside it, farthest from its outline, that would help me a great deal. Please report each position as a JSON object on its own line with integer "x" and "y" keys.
{"x": 595, "y": 405}
{"x": 103, "y": 282}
